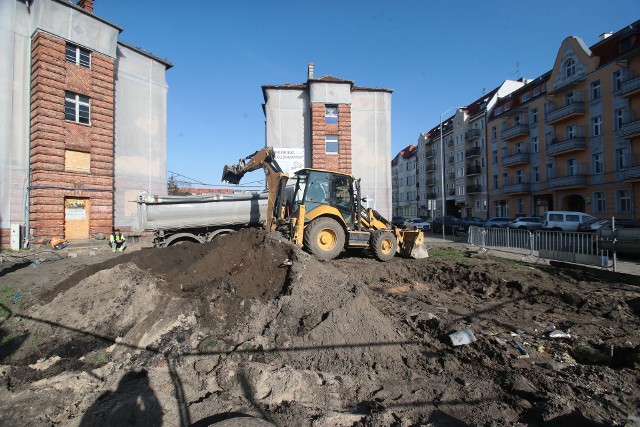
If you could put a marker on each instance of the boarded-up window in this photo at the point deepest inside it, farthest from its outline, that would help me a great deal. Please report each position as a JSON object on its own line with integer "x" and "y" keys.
{"x": 77, "y": 161}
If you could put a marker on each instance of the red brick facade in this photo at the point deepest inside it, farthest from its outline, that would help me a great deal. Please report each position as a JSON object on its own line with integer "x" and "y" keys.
{"x": 52, "y": 135}
{"x": 340, "y": 162}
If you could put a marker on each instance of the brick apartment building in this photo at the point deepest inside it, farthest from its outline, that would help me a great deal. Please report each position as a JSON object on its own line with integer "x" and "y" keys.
{"x": 570, "y": 139}
{"x": 83, "y": 129}
{"x": 330, "y": 123}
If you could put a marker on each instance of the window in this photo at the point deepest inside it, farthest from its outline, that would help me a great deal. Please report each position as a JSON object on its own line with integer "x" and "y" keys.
{"x": 572, "y": 167}
{"x": 534, "y": 115}
{"x": 518, "y": 148}
{"x": 495, "y": 181}
{"x": 622, "y": 155}
{"x": 76, "y": 108}
{"x": 623, "y": 201}
{"x": 77, "y": 161}
{"x": 537, "y": 90}
{"x": 570, "y": 68}
{"x": 550, "y": 171}
{"x": 596, "y": 161}
{"x": 525, "y": 96}
{"x": 516, "y": 121}
{"x": 495, "y": 156}
{"x": 520, "y": 206}
{"x": 570, "y": 131}
{"x": 331, "y": 114}
{"x": 77, "y": 55}
{"x": 568, "y": 98}
{"x": 519, "y": 176}
{"x": 536, "y": 174}
{"x": 599, "y": 202}
{"x": 617, "y": 80}
{"x": 494, "y": 132}
{"x": 535, "y": 147}
{"x": 596, "y": 126}
{"x": 331, "y": 144}
{"x": 596, "y": 90}
{"x": 619, "y": 118}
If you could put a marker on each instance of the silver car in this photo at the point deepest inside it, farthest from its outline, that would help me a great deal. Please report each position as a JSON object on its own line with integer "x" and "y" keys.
{"x": 527, "y": 223}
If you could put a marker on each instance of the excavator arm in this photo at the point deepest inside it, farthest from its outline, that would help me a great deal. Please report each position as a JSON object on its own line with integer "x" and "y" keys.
{"x": 276, "y": 179}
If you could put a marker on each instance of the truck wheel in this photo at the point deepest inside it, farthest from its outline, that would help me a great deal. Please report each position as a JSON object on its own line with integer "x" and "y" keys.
{"x": 324, "y": 238}
{"x": 384, "y": 245}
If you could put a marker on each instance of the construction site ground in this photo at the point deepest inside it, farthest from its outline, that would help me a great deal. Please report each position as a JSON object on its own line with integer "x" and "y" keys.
{"x": 251, "y": 326}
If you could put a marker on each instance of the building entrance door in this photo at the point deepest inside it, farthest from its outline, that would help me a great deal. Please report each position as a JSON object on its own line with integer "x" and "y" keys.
{"x": 76, "y": 218}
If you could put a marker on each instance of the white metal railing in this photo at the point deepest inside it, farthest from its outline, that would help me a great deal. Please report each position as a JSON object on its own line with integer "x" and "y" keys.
{"x": 579, "y": 248}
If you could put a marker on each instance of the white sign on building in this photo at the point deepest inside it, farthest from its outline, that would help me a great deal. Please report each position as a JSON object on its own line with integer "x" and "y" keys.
{"x": 290, "y": 160}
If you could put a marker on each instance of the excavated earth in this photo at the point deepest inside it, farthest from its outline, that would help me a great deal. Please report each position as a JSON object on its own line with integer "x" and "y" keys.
{"x": 250, "y": 326}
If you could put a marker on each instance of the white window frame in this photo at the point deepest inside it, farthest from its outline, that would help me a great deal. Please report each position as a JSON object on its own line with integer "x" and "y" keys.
{"x": 331, "y": 114}
{"x": 76, "y": 57}
{"x": 598, "y": 163}
{"x": 599, "y": 202}
{"x": 623, "y": 201}
{"x": 596, "y": 126}
{"x": 618, "y": 118}
{"x": 332, "y": 139}
{"x": 75, "y": 101}
{"x": 596, "y": 90}
{"x": 570, "y": 68}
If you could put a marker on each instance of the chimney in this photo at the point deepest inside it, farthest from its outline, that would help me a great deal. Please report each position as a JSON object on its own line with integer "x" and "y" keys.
{"x": 310, "y": 71}
{"x": 605, "y": 35}
{"x": 86, "y": 5}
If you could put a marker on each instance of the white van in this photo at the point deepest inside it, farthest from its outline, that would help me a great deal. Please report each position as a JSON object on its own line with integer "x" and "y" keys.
{"x": 563, "y": 220}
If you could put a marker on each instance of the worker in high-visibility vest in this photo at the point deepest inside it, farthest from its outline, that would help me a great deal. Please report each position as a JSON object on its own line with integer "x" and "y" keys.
{"x": 117, "y": 241}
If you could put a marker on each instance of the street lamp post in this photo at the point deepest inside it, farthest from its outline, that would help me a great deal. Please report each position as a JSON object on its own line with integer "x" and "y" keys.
{"x": 442, "y": 168}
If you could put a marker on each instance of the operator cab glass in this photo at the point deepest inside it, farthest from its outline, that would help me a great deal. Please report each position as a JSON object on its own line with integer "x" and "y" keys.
{"x": 320, "y": 188}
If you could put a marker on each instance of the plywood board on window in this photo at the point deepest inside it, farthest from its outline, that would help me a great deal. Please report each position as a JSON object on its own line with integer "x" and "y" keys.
{"x": 77, "y": 161}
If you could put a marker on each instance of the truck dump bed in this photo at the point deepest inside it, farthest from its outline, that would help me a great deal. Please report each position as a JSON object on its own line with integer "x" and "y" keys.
{"x": 215, "y": 210}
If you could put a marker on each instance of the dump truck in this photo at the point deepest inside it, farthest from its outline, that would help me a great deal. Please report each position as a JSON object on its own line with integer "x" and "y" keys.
{"x": 197, "y": 219}
{"x": 325, "y": 214}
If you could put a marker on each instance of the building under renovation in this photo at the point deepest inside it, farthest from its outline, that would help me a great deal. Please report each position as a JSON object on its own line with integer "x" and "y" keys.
{"x": 330, "y": 123}
{"x": 82, "y": 123}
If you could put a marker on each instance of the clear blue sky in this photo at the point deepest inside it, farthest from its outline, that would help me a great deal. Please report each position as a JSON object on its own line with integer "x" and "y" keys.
{"x": 433, "y": 55}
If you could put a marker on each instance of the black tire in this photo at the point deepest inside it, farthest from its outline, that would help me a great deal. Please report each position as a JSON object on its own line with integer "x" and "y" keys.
{"x": 324, "y": 238}
{"x": 384, "y": 245}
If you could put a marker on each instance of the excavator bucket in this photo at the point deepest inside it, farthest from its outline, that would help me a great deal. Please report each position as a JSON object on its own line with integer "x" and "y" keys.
{"x": 411, "y": 244}
{"x": 231, "y": 175}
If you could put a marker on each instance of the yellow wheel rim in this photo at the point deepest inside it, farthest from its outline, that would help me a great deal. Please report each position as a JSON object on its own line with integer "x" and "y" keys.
{"x": 327, "y": 239}
{"x": 386, "y": 245}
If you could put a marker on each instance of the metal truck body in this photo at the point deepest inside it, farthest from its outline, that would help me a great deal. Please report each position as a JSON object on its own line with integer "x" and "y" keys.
{"x": 178, "y": 219}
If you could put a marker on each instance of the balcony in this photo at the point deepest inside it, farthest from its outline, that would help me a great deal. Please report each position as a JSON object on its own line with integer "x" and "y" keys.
{"x": 631, "y": 129}
{"x": 452, "y": 175}
{"x": 514, "y": 132}
{"x": 451, "y": 192}
{"x": 573, "y": 109}
{"x": 516, "y": 187}
{"x": 429, "y": 154}
{"x": 570, "y": 180}
{"x": 630, "y": 87}
{"x": 450, "y": 143}
{"x": 432, "y": 196}
{"x": 431, "y": 167}
{"x": 473, "y": 152}
{"x": 472, "y": 134}
{"x": 516, "y": 157}
{"x": 575, "y": 143}
{"x": 474, "y": 170}
{"x": 430, "y": 182}
{"x": 471, "y": 189}
{"x": 451, "y": 160}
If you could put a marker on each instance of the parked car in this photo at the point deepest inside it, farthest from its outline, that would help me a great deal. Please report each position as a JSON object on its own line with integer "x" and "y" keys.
{"x": 497, "y": 222}
{"x": 592, "y": 225}
{"x": 564, "y": 220}
{"x": 472, "y": 220}
{"x": 626, "y": 235}
{"x": 398, "y": 221}
{"x": 419, "y": 223}
{"x": 452, "y": 225}
{"x": 526, "y": 223}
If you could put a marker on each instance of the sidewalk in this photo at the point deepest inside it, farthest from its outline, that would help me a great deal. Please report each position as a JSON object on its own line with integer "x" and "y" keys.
{"x": 625, "y": 265}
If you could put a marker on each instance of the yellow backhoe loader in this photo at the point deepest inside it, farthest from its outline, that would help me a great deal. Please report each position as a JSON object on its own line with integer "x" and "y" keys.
{"x": 325, "y": 213}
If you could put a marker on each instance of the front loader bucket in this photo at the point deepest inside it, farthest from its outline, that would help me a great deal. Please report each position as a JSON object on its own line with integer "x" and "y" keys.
{"x": 411, "y": 244}
{"x": 231, "y": 175}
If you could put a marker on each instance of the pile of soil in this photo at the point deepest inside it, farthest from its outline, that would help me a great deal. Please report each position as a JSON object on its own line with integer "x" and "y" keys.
{"x": 249, "y": 325}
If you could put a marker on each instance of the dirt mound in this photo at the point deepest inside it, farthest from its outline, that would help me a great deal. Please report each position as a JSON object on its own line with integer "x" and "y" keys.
{"x": 249, "y": 325}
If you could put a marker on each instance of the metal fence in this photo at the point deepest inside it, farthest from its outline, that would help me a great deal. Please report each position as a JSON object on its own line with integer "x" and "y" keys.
{"x": 579, "y": 248}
